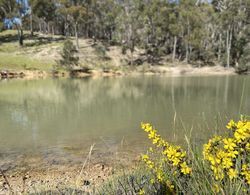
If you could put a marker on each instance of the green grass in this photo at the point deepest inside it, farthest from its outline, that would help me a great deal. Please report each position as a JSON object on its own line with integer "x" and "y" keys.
{"x": 21, "y": 62}
{"x": 14, "y": 57}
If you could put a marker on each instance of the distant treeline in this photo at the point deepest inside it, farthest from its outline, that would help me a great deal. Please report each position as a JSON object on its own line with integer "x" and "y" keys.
{"x": 209, "y": 32}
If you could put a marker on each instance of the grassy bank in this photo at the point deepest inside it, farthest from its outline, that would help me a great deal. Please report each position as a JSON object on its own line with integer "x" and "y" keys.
{"x": 42, "y": 53}
{"x": 36, "y": 54}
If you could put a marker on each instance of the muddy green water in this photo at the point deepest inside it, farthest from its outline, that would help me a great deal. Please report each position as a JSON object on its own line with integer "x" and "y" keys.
{"x": 57, "y": 120}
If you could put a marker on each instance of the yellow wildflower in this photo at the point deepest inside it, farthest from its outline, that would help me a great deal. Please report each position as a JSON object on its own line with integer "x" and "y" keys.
{"x": 245, "y": 171}
{"x": 183, "y": 154}
{"x": 227, "y": 163}
{"x": 221, "y": 154}
{"x": 170, "y": 151}
{"x": 229, "y": 144}
{"x": 216, "y": 139}
{"x": 159, "y": 175}
{"x": 170, "y": 185}
{"x": 185, "y": 169}
{"x": 248, "y": 178}
{"x": 146, "y": 126}
{"x": 239, "y": 136}
{"x": 240, "y": 124}
{"x": 231, "y": 124}
{"x": 152, "y": 134}
{"x": 145, "y": 157}
{"x": 156, "y": 139}
{"x": 216, "y": 188}
{"x": 232, "y": 154}
{"x": 248, "y": 146}
{"x": 150, "y": 164}
{"x": 141, "y": 192}
{"x": 232, "y": 173}
{"x": 213, "y": 160}
{"x": 175, "y": 161}
{"x": 219, "y": 175}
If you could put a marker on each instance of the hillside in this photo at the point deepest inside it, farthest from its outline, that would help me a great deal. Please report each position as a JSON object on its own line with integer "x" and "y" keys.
{"x": 41, "y": 53}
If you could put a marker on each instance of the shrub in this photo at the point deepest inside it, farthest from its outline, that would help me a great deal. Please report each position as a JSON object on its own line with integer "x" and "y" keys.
{"x": 69, "y": 60}
{"x": 245, "y": 58}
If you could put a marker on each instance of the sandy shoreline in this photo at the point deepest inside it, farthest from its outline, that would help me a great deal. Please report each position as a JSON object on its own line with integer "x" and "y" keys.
{"x": 36, "y": 176}
{"x": 151, "y": 70}
{"x": 56, "y": 179}
{"x": 83, "y": 172}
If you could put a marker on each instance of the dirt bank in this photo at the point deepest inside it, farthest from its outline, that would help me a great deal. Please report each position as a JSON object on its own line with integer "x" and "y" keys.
{"x": 139, "y": 70}
{"x": 190, "y": 70}
{"x": 61, "y": 174}
{"x": 55, "y": 180}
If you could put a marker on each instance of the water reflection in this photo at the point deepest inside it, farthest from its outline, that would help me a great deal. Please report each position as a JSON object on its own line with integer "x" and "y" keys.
{"x": 40, "y": 114}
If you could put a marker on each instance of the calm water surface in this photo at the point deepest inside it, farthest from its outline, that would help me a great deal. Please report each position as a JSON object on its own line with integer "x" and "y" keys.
{"x": 58, "y": 120}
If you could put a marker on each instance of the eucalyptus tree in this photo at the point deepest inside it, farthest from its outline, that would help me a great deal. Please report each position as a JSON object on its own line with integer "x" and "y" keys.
{"x": 46, "y": 11}
{"x": 154, "y": 30}
{"x": 74, "y": 14}
{"x": 14, "y": 12}
{"x": 130, "y": 26}
{"x": 77, "y": 14}
{"x": 175, "y": 27}
{"x": 105, "y": 15}
{"x": 233, "y": 15}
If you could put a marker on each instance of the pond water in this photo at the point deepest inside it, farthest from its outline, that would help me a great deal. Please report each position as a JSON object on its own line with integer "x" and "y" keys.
{"x": 57, "y": 120}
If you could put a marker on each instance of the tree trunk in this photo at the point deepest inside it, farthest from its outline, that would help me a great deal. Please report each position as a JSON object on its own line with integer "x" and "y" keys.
{"x": 31, "y": 23}
{"x": 229, "y": 41}
{"x": 228, "y": 51}
{"x": 53, "y": 30}
{"x": 87, "y": 23}
{"x": 45, "y": 30}
{"x": 187, "y": 52}
{"x": 219, "y": 49}
{"x": 65, "y": 29}
{"x": 76, "y": 36}
{"x": 187, "y": 43}
{"x": 174, "y": 48}
{"x": 66, "y": 26}
{"x": 48, "y": 28}
{"x": 20, "y": 35}
{"x": 132, "y": 58}
{"x": 40, "y": 27}
{"x": 110, "y": 35}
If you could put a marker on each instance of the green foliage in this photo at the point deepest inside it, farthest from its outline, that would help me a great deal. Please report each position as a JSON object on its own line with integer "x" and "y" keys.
{"x": 69, "y": 60}
{"x": 44, "y": 9}
{"x": 245, "y": 58}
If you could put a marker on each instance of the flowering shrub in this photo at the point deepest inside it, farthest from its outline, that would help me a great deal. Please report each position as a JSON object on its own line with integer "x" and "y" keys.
{"x": 225, "y": 163}
{"x": 171, "y": 157}
{"x": 229, "y": 156}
